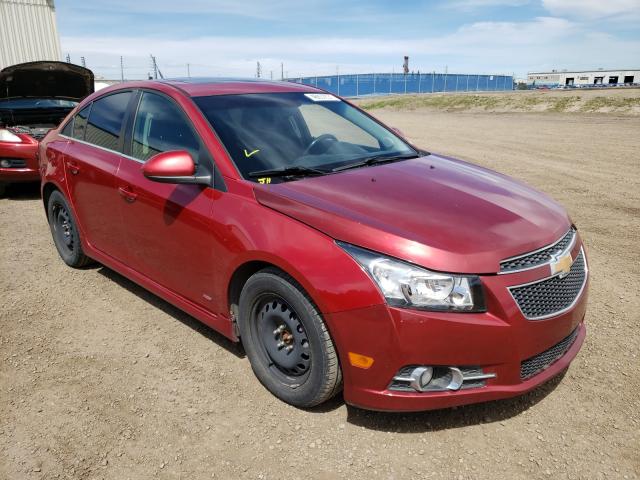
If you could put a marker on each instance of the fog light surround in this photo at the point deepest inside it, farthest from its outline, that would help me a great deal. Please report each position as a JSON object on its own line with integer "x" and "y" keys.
{"x": 425, "y": 378}
{"x": 4, "y": 163}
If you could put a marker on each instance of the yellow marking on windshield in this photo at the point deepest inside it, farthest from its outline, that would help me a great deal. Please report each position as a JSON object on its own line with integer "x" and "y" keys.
{"x": 264, "y": 180}
{"x": 248, "y": 154}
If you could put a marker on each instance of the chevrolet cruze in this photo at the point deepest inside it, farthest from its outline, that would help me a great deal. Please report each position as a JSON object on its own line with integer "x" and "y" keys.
{"x": 340, "y": 255}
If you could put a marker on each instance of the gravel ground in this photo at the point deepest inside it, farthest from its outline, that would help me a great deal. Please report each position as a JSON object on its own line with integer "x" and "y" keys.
{"x": 101, "y": 380}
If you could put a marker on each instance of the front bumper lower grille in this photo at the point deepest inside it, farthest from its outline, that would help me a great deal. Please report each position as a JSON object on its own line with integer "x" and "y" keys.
{"x": 539, "y": 257}
{"x": 554, "y": 295}
{"x": 542, "y": 361}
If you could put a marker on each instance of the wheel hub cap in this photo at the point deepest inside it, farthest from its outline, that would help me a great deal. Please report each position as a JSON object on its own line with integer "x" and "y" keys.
{"x": 283, "y": 337}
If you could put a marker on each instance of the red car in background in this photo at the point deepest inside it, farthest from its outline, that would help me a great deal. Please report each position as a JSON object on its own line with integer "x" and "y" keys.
{"x": 339, "y": 254}
{"x": 34, "y": 98}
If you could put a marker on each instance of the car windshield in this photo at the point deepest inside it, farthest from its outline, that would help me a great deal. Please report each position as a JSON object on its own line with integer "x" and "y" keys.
{"x": 28, "y": 103}
{"x": 299, "y": 133}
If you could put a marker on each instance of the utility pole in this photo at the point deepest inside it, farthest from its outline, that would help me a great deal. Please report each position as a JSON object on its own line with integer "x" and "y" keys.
{"x": 446, "y": 74}
{"x": 281, "y": 71}
{"x": 121, "y": 69}
{"x": 271, "y": 74}
{"x": 188, "y": 71}
{"x": 83, "y": 62}
{"x": 68, "y": 58}
{"x": 154, "y": 66}
{"x": 258, "y": 70}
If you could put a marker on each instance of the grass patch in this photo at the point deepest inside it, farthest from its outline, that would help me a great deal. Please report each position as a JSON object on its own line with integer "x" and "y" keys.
{"x": 563, "y": 104}
{"x": 516, "y": 102}
{"x": 610, "y": 103}
{"x": 441, "y": 102}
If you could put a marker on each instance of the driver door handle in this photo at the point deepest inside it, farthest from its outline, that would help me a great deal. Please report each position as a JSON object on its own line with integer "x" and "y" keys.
{"x": 128, "y": 194}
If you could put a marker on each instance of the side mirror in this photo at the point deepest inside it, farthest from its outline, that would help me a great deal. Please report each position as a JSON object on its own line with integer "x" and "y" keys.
{"x": 174, "y": 167}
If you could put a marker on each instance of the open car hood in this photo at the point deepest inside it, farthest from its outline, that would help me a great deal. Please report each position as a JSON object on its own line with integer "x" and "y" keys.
{"x": 46, "y": 80}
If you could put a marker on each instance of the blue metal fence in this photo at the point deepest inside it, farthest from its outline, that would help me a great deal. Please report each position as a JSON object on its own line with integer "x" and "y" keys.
{"x": 358, "y": 85}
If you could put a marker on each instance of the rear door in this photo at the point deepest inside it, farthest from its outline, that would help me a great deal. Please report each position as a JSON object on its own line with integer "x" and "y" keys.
{"x": 91, "y": 161}
{"x": 168, "y": 226}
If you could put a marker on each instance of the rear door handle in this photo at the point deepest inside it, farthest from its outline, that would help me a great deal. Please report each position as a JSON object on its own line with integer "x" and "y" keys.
{"x": 128, "y": 194}
{"x": 73, "y": 168}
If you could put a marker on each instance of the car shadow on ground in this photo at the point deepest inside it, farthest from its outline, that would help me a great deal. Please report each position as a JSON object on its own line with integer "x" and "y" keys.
{"x": 21, "y": 191}
{"x": 174, "y": 312}
{"x": 457, "y": 417}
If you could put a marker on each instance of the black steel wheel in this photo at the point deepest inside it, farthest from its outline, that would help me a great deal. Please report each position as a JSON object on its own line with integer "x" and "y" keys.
{"x": 65, "y": 232}
{"x": 283, "y": 341}
{"x": 286, "y": 340}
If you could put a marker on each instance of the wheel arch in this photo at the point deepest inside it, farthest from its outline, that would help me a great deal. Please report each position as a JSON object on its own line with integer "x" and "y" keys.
{"x": 47, "y": 189}
{"x": 246, "y": 270}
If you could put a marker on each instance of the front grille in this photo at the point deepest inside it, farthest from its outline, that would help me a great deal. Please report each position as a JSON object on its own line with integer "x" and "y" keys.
{"x": 542, "y": 361}
{"x": 539, "y": 257}
{"x": 551, "y": 296}
{"x": 13, "y": 162}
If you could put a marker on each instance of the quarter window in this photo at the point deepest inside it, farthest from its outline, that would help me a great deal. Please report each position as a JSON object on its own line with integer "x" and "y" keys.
{"x": 79, "y": 123}
{"x": 160, "y": 126}
{"x": 68, "y": 129}
{"x": 105, "y": 120}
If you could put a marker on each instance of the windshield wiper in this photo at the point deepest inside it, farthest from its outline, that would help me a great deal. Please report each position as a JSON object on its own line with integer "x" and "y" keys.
{"x": 375, "y": 159}
{"x": 295, "y": 171}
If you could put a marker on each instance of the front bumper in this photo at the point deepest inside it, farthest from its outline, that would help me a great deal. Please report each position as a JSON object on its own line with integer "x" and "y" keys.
{"x": 498, "y": 341}
{"x": 26, "y": 152}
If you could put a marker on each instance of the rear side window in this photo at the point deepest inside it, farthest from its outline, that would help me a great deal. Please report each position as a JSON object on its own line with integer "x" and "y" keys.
{"x": 161, "y": 126}
{"x": 105, "y": 120}
{"x": 79, "y": 123}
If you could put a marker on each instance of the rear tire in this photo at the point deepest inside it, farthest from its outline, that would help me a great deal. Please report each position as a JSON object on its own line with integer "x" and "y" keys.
{"x": 65, "y": 233}
{"x": 287, "y": 341}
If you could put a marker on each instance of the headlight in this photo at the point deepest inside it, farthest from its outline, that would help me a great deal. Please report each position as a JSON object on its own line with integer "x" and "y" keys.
{"x": 407, "y": 285}
{"x": 7, "y": 136}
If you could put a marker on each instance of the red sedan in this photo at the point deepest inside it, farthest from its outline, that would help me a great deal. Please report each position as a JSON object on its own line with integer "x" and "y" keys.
{"x": 342, "y": 256}
{"x": 34, "y": 98}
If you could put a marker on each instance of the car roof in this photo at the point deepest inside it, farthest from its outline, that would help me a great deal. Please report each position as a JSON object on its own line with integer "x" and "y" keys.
{"x": 198, "y": 87}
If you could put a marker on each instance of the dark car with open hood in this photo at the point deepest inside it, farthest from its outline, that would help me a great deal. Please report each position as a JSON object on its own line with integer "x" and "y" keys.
{"x": 34, "y": 98}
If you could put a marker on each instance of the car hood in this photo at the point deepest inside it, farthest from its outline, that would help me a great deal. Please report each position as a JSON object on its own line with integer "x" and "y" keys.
{"x": 435, "y": 211}
{"x": 46, "y": 80}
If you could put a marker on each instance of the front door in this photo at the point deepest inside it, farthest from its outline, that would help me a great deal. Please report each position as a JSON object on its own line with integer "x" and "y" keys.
{"x": 168, "y": 226}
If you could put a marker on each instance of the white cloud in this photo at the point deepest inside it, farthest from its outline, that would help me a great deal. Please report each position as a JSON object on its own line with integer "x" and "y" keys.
{"x": 483, "y": 47}
{"x": 471, "y": 4}
{"x": 272, "y": 9}
{"x": 593, "y": 9}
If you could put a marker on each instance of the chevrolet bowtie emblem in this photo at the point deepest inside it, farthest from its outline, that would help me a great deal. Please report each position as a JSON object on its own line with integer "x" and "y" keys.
{"x": 561, "y": 264}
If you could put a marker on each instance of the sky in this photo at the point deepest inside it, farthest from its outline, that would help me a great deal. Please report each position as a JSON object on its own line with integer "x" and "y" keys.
{"x": 325, "y": 37}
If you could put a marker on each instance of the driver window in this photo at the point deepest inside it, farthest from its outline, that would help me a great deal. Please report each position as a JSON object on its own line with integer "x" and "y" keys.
{"x": 160, "y": 126}
{"x": 321, "y": 120}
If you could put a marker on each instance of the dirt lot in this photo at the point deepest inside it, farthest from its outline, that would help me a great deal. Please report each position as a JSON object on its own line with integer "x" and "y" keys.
{"x": 101, "y": 380}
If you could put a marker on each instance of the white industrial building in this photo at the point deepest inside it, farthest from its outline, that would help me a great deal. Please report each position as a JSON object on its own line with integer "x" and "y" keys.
{"x": 28, "y": 32}
{"x": 583, "y": 78}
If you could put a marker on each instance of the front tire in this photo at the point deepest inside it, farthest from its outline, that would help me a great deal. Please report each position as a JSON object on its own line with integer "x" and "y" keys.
{"x": 286, "y": 340}
{"x": 65, "y": 233}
